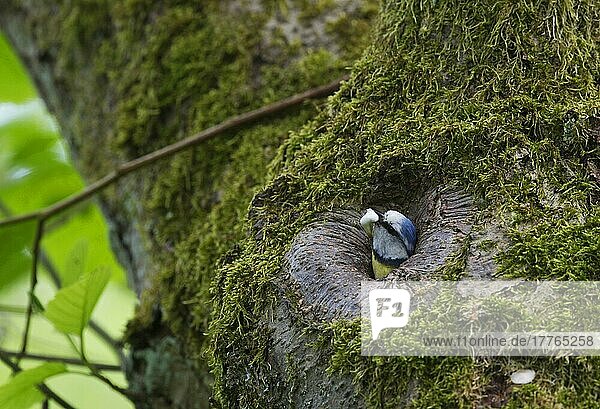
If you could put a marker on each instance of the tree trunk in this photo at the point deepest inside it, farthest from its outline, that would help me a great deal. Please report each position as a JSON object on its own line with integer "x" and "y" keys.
{"x": 479, "y": 120}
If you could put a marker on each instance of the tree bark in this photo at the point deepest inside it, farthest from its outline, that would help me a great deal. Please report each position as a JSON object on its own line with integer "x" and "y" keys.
{"x": 477, "y": 120}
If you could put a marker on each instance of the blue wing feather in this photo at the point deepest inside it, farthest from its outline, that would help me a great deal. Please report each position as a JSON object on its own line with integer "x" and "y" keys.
{"x": 408, "y": 231}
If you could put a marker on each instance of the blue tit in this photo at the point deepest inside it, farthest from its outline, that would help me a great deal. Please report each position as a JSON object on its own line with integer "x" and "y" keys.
{"x": 394, "y": 238}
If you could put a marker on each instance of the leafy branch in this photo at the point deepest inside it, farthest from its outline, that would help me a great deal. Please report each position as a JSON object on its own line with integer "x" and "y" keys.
{"x": 61, "y": 359}
{"x": 55, "y": 277}
{"x": 17, "y": 388}
{"x": 70, "y": 312}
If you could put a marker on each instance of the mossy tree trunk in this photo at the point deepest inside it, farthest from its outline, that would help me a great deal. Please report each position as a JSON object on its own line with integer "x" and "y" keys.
{"x": 479, "y": 119}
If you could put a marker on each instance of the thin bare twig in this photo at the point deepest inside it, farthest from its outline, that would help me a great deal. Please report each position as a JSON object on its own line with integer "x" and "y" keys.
{"x": 116, "y": 345}
{"x": 131, "y": 395}
{"x": 39, "y": 232}
{"x": 170, "y": 150}
{"x": 15, "y": 309}
{"x": 42, "y": 386}
{"x": 63, "y": 359}
{"x": 95, "y": 372}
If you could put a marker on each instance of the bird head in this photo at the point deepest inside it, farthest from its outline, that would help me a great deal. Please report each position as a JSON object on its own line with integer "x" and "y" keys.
{"x": 370, "y": 217}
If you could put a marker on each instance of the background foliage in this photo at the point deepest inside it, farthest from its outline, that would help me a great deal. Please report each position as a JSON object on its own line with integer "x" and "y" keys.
{"x": 35, "y": 171}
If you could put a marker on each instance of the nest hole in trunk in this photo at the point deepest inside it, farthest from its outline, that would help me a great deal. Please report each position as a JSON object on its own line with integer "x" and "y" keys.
{"x": 331, "y": 256}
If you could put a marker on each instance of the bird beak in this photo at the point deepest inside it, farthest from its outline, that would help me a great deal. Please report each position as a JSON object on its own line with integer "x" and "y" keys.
{"x": 385, "y": 224}
{"x": 379, "y": 214}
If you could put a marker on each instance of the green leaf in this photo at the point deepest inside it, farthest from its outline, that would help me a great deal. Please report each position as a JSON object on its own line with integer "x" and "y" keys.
{"x": 15, "y": 251}
{"x": 75, "y": 265}
{"x": 31, "y": 150}
{"x": 72, "y": 307}
{"x": 14, "y": 84}
{"x": 21, "y": 392}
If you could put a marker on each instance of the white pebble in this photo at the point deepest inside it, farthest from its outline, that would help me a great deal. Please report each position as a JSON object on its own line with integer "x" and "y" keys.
{"x": 522, "y": 376}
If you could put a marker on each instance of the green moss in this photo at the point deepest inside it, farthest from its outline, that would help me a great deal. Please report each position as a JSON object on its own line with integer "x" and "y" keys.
{"x": 559, "y": 382}
{"x": 346, "y": 27}
{"x": 557, "y": 249}
{"x": 385, "y": 382}
{"x": 459, "y": 382}
{"x": 313, "y": 8}
{"x": 479, "y": 94}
